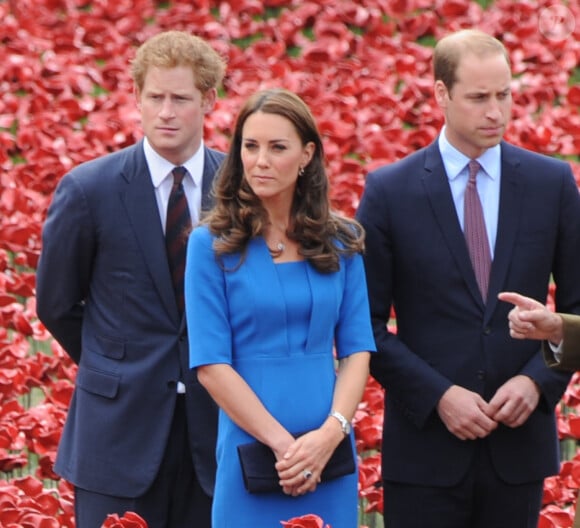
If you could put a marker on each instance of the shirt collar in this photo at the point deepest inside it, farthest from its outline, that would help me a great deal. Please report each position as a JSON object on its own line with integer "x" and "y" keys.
{"x": 455, "y": 161}
{"x": 160, "y": 168}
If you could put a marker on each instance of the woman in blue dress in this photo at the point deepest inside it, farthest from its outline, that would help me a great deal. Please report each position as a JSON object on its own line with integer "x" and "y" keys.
{"x": 276, "y": 294}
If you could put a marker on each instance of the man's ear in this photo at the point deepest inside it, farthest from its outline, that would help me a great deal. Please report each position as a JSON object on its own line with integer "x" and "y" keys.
{"x": 441, "y": 93}
{"x": 209, "y": 99}
{"x": 137, "y": 95}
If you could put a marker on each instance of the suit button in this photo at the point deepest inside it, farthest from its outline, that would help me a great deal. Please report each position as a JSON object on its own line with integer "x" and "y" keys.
{"x": 481, "y": 374}
{"x": 487, "y": 330}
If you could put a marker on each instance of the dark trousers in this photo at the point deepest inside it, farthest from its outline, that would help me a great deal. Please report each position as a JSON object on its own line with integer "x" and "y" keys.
{"x": 175, "y": 499}
{"x": 481, "y": 500}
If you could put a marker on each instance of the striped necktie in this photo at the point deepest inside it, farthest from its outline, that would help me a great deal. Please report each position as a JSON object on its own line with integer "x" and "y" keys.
{"x": 475, "y": 232}
{"x": 177, "y": 230}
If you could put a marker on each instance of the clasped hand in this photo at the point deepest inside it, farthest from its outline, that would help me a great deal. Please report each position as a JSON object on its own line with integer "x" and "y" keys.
{"x": 468, "y": 416}
{"x": 301, "y": 465}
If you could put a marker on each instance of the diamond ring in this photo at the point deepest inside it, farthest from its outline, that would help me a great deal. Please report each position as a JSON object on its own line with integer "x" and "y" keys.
{"x": 307, "y": 474}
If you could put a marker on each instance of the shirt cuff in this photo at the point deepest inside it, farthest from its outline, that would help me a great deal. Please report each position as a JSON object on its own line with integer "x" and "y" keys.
{"x": 556, "y": 350}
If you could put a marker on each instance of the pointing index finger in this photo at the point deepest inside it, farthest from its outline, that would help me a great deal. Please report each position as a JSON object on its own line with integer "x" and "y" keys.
{"x": 515, "y": 298}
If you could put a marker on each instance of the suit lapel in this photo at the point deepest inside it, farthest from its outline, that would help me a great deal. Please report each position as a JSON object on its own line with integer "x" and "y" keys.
{"x": 439, "y": 194}
{"x": 138, "y": 195}
{"x": 212, "y": 160}
{"x": 510, "y": 205}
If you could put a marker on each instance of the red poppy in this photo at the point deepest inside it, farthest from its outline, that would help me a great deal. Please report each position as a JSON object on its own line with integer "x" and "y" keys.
{"x": 306, "y": 521}
{"x": 128, "y": 520}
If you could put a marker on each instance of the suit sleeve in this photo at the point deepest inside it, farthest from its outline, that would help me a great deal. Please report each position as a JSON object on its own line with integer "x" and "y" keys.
{"x": 64, "y": 267}
{"x": 566, "y": 274}
{"x": 413, "y": 384}
{"x": 570, "y": 358}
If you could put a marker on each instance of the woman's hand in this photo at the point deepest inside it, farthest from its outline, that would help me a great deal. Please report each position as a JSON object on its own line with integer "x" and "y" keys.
{"x": 300, "y": 467}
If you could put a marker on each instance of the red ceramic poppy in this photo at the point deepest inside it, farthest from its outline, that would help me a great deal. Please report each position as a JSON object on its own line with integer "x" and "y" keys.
{"x": 306, "y": 521}
{"x": 364, "y": 68}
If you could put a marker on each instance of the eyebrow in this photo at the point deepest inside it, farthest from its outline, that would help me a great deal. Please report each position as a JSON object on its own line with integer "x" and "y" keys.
{"x": 281, "y": 140}
{"x": 487, "y": 92}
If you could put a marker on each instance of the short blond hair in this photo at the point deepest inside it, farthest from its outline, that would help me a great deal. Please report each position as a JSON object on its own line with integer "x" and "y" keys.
{"x": 178, "y": 48}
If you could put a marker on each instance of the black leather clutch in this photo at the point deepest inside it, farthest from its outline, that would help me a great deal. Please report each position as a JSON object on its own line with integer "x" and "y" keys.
{"x": 259, "y": 471}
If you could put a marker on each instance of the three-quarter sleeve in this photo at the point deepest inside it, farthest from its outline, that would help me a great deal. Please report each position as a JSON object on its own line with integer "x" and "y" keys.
{"x": 206, "y": 304}
{"x": 353, "y": 332}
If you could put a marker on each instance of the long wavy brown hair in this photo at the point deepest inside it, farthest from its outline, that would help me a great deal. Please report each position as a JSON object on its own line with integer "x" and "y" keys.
{"x": 238, "y": 214}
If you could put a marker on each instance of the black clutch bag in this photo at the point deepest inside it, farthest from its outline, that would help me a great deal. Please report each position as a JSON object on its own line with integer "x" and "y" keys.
{"x": 259, "y": 471}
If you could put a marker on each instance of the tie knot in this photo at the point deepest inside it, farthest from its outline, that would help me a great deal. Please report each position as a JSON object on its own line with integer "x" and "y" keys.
{"x": 178, "y": 174}
{"x": 474, "y": 167}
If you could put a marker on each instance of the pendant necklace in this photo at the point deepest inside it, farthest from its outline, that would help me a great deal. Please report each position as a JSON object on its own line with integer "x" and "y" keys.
{"x": 280, "y": 247}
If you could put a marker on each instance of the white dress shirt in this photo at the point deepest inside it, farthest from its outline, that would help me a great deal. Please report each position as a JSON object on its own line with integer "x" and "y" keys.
{"x": 162, "y": 179}
{"x": 488, "y": 182}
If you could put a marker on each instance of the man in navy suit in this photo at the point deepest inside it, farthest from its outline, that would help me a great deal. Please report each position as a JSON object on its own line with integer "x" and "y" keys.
{"x": 140, "y": 433}
{"x": 469, "y": 431}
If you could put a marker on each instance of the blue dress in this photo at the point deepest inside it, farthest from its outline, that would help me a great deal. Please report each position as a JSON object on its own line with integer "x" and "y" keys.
{"x": 276, "y": 324}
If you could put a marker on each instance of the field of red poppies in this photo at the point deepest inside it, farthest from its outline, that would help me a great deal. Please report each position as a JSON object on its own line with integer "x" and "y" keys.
{"x": 363, "y": 66}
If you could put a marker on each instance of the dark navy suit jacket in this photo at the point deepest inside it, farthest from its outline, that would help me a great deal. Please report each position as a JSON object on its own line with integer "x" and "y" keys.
{"x": 417, "y": 259}
{"x": 104, "y": 291}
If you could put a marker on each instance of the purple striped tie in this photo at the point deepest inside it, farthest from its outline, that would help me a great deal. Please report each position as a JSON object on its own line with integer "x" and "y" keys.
{"x": 475, "y": 232}
{"x": 177, "y": 230}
